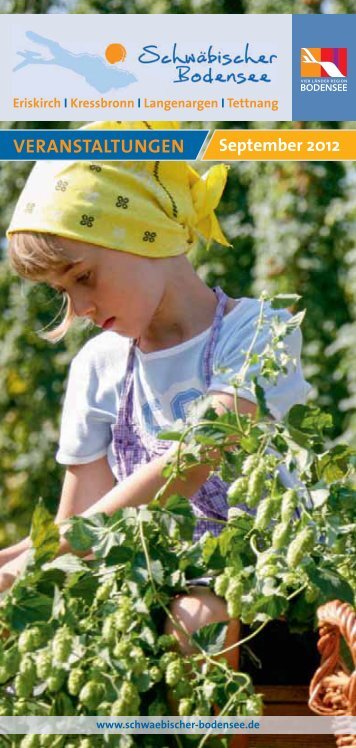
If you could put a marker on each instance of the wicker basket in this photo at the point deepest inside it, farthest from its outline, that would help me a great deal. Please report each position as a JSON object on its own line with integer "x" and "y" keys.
{"x": 333, "y": 688}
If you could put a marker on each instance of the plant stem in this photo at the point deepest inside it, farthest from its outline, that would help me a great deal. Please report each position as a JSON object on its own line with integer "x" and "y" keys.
{"x": 243, "y": 641}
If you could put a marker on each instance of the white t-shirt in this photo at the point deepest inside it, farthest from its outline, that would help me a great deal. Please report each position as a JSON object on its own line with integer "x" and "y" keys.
{"x": 166, "y": 382}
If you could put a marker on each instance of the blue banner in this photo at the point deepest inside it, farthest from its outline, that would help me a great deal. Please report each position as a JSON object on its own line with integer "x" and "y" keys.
{"x": 101, "y": 145}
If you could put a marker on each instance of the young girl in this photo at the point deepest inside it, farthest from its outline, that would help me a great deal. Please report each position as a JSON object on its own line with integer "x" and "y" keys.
{"x": 113, "y": 237}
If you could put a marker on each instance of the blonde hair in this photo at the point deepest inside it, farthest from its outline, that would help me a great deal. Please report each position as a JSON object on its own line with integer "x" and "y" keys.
{"x": 33, "y": 255}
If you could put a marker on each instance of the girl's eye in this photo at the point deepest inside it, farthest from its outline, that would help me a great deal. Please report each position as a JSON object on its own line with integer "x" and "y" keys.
{"x": 84, "y": 278}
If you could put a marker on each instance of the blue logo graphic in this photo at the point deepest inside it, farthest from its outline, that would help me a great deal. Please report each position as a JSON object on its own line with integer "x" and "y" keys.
{"x": 94, "y": 69}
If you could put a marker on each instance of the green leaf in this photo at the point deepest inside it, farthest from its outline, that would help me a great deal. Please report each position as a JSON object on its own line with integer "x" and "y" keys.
{"x": 295, "y": 321}
{"x": 282, "y": 301}
{"x": 261, "y": 398}
{"x": 210, "y": 544}
{"x": 331, "y": 585}
{"x": 309, "y": 419}
{"x": 83, "y": 532}
{"x": 67, "y": 563}
{"x": 211, "y": 638}
{"x": 334, "y": 465}
{"x": 157, "y": 571}
{"x": 44, "y": 535}
{"x": 178, "y": 511}
{"x": 172, "y": 436}
{"x": 31, "y": 607}
{"x": 271, "y": 607}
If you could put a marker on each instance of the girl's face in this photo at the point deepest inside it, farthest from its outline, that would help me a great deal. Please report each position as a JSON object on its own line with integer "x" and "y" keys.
{"x": 115, "y": 290}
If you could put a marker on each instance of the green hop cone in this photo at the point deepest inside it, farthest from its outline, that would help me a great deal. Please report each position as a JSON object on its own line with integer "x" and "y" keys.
{"x": 46, "y": 741}
{"x": 5, "y": 709}
{"x": 289, "y": 505}
{"x": 104, "y": 708}
{"x": 62, "y": 644}
{"x": 128, "y": 702}
{"x": 20, "y": 708}
{"x": 104, "y": 591}
{"x": 27, "y": 667}
{"x": 302, "y": 544}
{"x": 123, "y": 615}
{"x": 76, "y": 681}
{"x": 255, "y": 488}
{"x": 23, "y": 686}
{"x": 122, "y": 649}
{"x": 166, "y": 641}
{"x": 56, "y": 680}
{"x": 174, "y": 672}
{"x": 254, "y": 705}
{"x": 138, "y": 660}
{"x": 91, "y": 694}
{"x": 182, "y": 690}
{"x": 311, "y": 593}
{"x": 166, "y": 658}
{"x": 30, "y": 640}
{"x": 250, "y": 463}
{"x": 233, "y": 598}
{"x": 43, "y": 664}
{"x": 109, "y": 630}
{"x": 221, "y": 584}
{"x": 237, "y": 492}
{"x": 4, "y": 675}
{"x": 186, "y": 707}
{"x": 281, "y": 534}
{"x": 30, "y": 741}
{"x": 11, "y": 661}
{"x": 209, "y": 690}
{"x": 264, "y": 514}
{"x": 155, "y": 674}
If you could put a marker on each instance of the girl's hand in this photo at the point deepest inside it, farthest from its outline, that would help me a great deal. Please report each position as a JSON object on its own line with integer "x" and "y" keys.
{"x": 10, "y": 571}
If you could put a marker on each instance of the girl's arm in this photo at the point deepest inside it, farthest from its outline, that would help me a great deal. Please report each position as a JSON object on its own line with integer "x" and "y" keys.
{"x": 83, "y": 485}
{"x": 141, "y": 487}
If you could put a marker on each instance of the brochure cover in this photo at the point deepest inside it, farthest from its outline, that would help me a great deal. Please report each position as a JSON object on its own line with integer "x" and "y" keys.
{"x": 177, "y": 431}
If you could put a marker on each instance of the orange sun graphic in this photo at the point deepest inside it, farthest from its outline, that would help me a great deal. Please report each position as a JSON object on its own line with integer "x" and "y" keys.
{"x": 115, "y": 53}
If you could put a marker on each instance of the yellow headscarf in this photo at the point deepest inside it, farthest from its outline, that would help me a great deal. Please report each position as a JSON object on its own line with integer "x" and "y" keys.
{"x": 150, "y": 208}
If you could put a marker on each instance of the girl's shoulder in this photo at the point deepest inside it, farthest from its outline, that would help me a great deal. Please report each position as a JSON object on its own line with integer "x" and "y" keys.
{"x": 103, "y": 351}
{"x": 244, "y": 315}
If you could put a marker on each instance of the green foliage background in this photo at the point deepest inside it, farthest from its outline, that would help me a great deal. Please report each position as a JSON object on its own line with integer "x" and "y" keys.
{"x": 293, "y": 230}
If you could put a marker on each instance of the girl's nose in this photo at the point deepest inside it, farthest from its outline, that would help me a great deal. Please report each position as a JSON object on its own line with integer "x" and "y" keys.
{"x": 83, "y": 307}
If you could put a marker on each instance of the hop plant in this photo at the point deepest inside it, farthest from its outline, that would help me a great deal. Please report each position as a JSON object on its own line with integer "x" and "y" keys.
{"x": 174, "y": 672}
{"x": 62, "y": 644}
{"x": 30, "y": 741}
{"x": 43, "y": 664}
{"x": 29, "y": 640}
{"x": 250, "y": 464}
{"x": 264, "y": 513}
{"x": 289, "y": 505}
{"x": 123, "y": 615}
{"x": 76, "y": 680}
{"x": 128, "y": 702}
{"x": 56, "y": 679}
{"x": 166, "y": 641}
{"x": 237, "y": 492}
{"x": 302, "y": 544}
{"x": 91, "y": 694}
{"x": 104, "y": 591}
{"x": 255, "y": 487}
{"x": 186, "y": 707}
{"x": 234, "y": 597}
{"x": 281, "y": 534}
